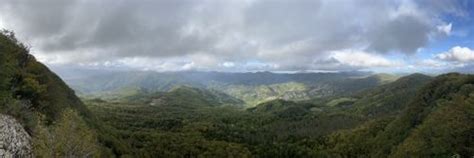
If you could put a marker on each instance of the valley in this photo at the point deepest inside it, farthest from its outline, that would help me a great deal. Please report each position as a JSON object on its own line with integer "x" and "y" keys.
{"x": 191, "y": 121}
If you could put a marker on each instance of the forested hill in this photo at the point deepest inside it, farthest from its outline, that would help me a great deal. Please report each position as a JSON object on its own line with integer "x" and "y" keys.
{"x": 416, "y": 115}
{"x": 48, "y": 109}
{"x": 25, "y": 80}
{"x": 184, "y": 96}
{"x": 437, "y": 122}
{"x": 388, "y": 99}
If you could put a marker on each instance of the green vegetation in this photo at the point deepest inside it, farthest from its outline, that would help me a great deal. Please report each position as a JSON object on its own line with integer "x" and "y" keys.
{"x": 390, "y": 98}
{"x": 39, "y": 99}
{"x": 341, "y": 102}
{"x": 167, "y": 130}
{"x": 253, "y": 95}
{"x": 435, "y": 123}
{"x": 402, "y": 121}
{"x": 68, "y": 137}
{"x": 31, "y": 84}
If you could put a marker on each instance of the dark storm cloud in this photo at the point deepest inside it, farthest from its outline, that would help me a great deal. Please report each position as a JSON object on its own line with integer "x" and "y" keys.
{"x": 405, "y": 33}
{"x": 143, "y": 27}
{"x": 285, "y": 34}
{"x": 39, "y": 18}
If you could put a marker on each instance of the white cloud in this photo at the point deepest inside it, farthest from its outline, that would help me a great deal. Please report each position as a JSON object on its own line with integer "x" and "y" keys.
{"x": 362, "y": 59}
{"x": 432, "y": 63}
{"x": 228, "y": 64}
{"x": 154, "y": 64}
{"x": 458, "y": 59}
{"x": 446, "y": 29}
{"x": 457, "y": 54}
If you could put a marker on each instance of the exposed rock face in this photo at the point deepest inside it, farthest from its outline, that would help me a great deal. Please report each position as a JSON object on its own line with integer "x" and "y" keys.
{"x": 14, "y": 140}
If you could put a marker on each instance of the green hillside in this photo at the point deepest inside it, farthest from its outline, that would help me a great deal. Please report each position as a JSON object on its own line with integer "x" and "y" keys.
{"x": 168, "y": 124}
{"x": 390, "y": 98}
{"x": 185, "y": 96}
{"x": 31, "y": 84}
{"x": 172, "y": 128}
{"x": 437, "y": 122}
{"x": 394, "y": 119}
{"x": 45, "y": 105}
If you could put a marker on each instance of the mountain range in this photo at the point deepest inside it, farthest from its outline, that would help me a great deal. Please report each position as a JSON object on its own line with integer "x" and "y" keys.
{"x": 252, "y": 87}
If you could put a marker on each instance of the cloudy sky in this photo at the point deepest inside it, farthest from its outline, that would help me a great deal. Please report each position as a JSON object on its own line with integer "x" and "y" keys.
{"x": 247, "y": 35}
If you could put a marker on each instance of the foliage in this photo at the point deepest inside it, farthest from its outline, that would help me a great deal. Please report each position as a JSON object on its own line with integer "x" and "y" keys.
{"x": 389, "y": 99}
{"x": 68, "y": 137}
{"x": 28, "y": 89}
{"x": 434, "y": 119}
{"x": 29, "y": 82}
{"x": 437, "y": 122}
{"x": 172, "y": 128}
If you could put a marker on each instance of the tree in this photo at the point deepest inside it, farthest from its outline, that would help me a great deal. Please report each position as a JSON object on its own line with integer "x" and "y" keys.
{"x": 68, "y": 137}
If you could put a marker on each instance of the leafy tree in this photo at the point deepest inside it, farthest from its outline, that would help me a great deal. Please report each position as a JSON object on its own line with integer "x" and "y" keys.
{"x": 68, "y": 137}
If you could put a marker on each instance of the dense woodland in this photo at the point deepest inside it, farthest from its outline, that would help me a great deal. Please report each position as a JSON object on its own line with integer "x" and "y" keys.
{"x": 413, "y": 116}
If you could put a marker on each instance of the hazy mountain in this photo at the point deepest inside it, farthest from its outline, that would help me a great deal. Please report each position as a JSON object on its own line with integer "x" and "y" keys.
{"x": 252, "y": 88}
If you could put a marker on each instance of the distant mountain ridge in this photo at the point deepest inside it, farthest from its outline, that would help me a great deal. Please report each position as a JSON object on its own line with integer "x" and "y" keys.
{"x": 252, "y": 88}
{"x": 188, "y": 97}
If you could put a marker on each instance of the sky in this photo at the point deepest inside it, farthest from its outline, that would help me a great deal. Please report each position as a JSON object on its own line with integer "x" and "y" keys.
{"x": 247, "y": 35}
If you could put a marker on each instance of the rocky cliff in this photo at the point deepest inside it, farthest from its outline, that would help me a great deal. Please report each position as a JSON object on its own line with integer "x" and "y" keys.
{"x": 14, "y": 140}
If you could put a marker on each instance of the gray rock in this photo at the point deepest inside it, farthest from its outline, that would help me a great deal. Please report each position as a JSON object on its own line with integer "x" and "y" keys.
{"x": 14, "y": 140}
